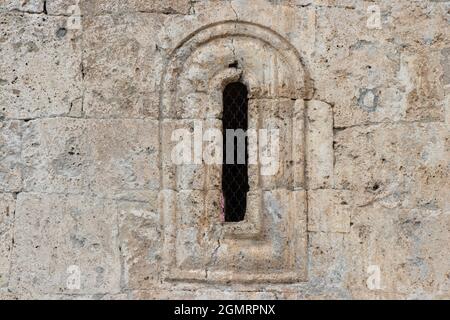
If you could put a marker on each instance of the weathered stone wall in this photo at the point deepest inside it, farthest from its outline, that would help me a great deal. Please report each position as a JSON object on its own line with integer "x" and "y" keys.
{"x": 83, "y": 184}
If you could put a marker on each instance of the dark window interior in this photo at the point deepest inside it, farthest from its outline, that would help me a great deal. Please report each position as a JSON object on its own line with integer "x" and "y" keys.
{"x": 234, "y": 175}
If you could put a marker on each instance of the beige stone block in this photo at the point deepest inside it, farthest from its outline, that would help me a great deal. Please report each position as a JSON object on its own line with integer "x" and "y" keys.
{"x": 320, "y": 153}
{"x": 278, "y": 253}
{"x": 200, "y": 294}
{"x": 125, "y": 154}
{"x": 447, "y": 106}
{"x": 140, "y": 238}
{"x": 66, "y": 7}
{"x": 281, "y": 17}
{"x": 401, "y": 165}
{"x": 80, "y": 156}
{"x": 168, "y": 168}
{"x": 7, "y": 210}
{"x": 32, "y": 6}
{"x": 406, "y": 248}
{"x": 192, "y": 242}
{"x": 329, "y": 211}
{"x": 327, "y": 266}
{"x": 57, "y": 156}
{"x": 423, "y": 79}
{"x": 402, "y": 12}
{"x": 189, "y": 155}
{"x": 377, "y": 295}
{"x": 41, "y": 72}
{"x": 275, "y": 158}
{"x": 350, "y": 4}
{"x": 195, "y": 105}
{"x": 84, "y": 297}
{"x": 122, "y": 65}
{"x": 268, "y": 74}
{"x": 100, "y": 7}
{"x": 392, "y": 83}
{"x": 63, "y": 238}
{"x": 10, "y": 152}
{"x": 445, "y": 62}
{"x": 299, "y": 145}
{"x": 199, "y": 246}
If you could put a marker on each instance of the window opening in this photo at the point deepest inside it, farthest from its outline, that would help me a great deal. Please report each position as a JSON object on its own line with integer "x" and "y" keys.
{"x": 235, "y": 158}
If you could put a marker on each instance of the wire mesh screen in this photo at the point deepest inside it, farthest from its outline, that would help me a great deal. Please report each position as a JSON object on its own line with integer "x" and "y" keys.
{"x": 234, "y": 173}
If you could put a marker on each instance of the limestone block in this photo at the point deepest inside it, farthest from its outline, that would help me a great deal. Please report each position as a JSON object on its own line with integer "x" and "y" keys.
{"x": 319, "y": 141}
{"x": 122, "y": 65}
{"x": 193, "y": 243}
{"x": 10, "y": 149}
{"x": 276, "y": 72}
{"x": 62, "y": 296}
{"x": 336, "y": 3}
{"x": 179, "y": 27}
{"x": 83, "y": 297}
{"x": 205, "y": 62}
{"x": 269, "y": 74}
{"x": 101, "y": 7}
{"x": 329, "y": 210}
{"x": 169, "y": 157}
{"x": 65, "y": 7}
{"x": 79, "y": 156}
{"x": 281, "y": 16}
{"x": 430, "y": 19}
{"x": 283, "y": 247}
{"x": 140, "y": 238}
{"x": 7, "y": 210}
{"x": 423, "y": 79}
{"x": 32, "y": 6}
{"x": 275, "y": 158}
{"x": 393, "y": 82}
{"x": 188, "y": 154}
{"x": 299, "y": 144}
{"x": 447, "y": 107}
{"x": 406, "y": 248}
{"x": 57, "y": 156}
{"x": 401, "y": 165}
{"x": 40, "y": 74}
{"x": 327, "y": 270}
{"x": 63, "y": 241}
{"x": 200, "y": 294}
{"x": 196, "y": 105}
{"x": 445, "y": 62}
{"x": 126, "y": 155}
{"x": 198, "y": 247}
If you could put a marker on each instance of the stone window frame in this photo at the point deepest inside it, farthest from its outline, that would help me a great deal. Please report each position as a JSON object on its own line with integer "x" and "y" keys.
{"x": 251, "y": 227}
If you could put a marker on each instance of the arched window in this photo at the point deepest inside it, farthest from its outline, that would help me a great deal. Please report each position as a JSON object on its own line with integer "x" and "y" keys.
{"x": 234, "y": 168}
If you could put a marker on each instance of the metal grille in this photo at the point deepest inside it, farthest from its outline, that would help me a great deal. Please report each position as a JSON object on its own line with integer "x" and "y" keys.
{"x": 234, "y": 175}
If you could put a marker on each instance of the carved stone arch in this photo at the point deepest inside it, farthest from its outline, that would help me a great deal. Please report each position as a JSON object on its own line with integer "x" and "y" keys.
{"x": 270, "y": 244}
{"x": 301, "y": 88}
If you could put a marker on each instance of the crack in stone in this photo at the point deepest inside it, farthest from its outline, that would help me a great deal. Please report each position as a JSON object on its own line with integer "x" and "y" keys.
{"x": 192, "y": 7}
{"x": 368, "y": 124}
{"x": 232, "y": 8}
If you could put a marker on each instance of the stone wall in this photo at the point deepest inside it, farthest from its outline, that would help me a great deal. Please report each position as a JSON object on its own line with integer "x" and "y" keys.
{"x": 88, "y": 89}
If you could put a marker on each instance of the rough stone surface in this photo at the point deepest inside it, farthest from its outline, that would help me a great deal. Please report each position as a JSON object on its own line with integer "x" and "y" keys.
{"x": 41, "y": 76}
{"x": 57, "y": 232}
{"x": 31, "y": 6}
{"x": 7, "y": 211}
{"x": 91, "y": 206}
{"x": 10, "y": 152}
{"x": 106, "y": 157}
{"x": 319, "y": 141}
